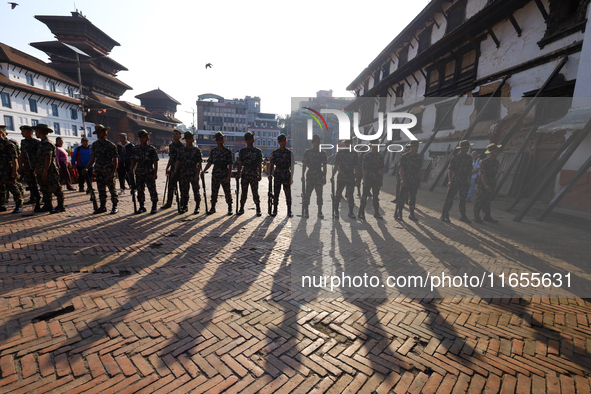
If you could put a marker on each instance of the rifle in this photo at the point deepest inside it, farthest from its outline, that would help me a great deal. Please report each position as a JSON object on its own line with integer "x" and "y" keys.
{"x": 270, "y": 196}
{"x": 91, "y": 190}
{"x": 237, "y": 191}
{"x": 165, "y": 190}
{"x": 133, "y": 188}
{"x": 204, "y": 193}
{"x": 33, "y": 187}
{"x": 335, "y": 207}
{"x": 176, "y": 193}
{"x": 304, "y": 198}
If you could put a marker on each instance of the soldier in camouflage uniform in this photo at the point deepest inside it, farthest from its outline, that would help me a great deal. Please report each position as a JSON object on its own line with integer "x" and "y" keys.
{"x": 188, "y": 165}
{"x": 104, "y": 157}
{"x": 144, "y": 161}
{"x": 9, "y": 173}
{"x": 249, "y": 160}
{"x": 373, "y": 177}
{"x": 47, "y": 171}
{"x": 29, "y": 146}
{"x": 459, "y": 175}
{"x": 281, "y": 165}
{"x": 315, "y": 161}
{"x": 221, "y": 158}
{"x": 173, "y": 149}
{"x": 410, "y": 172}
{"x": 346, "y": 164}
{"x": 486, "y": 184}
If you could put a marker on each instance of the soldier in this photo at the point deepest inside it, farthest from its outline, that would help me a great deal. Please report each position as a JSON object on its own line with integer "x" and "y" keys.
{"x": 314, "y": 161}
{"x": 26, "y": 160}
{"x": 487, "y": 184}
{"x": 188, "y": 165}
{"x": 410, "y": 172}
{"x": 9, "y": 173}
{"x": 281, "y": 172}
{"x": 104, "y": 156}
{"x": 173, "y": 149}
{"x": 458, "y": 174}
{"x": 47, "y": 172}
{"x": 222, "y": 159}
{"x": 144, "y": 161}
{"x": 346, "y": 164}
{"x": 250, "y": 159}
{"x": 373, "y": 178}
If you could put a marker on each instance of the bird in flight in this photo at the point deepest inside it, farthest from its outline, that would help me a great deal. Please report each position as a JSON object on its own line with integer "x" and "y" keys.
{"x": 12, "y": 5}
{"x": 208, "y": 65}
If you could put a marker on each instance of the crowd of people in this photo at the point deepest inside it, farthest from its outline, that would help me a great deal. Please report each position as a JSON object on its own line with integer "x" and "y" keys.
{"x": 44, "y": 167}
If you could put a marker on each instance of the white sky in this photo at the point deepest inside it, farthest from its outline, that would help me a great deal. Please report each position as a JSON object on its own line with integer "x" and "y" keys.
{"x": 271, "y": 49}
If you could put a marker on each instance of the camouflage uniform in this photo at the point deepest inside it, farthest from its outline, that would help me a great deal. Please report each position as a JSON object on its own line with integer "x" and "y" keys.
{"x": 347, "y": 161}
{"x": 52, "y": 184}
{"x": 489, "y": 168}
{"x": 190, "y": 159}
{"x": 411, "y": 163}
{"x": 461, "y": 170}
{"x": 221, "y": 159}
{"x": 281, "y": 160}
{"x": 105, "y": 152}
{"x": 251, "y": 160}
{"x": 173, "y": 151}
{"x": 8, "y": 152}
{"x": 29, "y": 150}
{"x": 144, "y": 172}
{"x": 314, "y": 160}
{"x": 373, "y": 164}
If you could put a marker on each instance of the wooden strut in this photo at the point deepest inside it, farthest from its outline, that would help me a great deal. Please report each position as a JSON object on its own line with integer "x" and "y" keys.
{"x": 566, "y": 188}
{"x": 468, "y": 132}
{"x": 515, "y": 25}
{"x": 513, "y": 129}
{"x": 542, "y": 9}
{"x": 551, "y": 176}
{"x": 540, "y": 173}
{"x": 434, "y": 134}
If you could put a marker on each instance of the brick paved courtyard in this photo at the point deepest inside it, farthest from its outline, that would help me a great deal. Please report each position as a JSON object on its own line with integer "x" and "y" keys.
{"x": 166, "y": 303}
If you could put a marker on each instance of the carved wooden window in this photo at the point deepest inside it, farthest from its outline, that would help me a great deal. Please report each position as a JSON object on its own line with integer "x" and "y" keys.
{"x": 425, "y": 38}
{"x": 565, "y": 18}
{"x": 455, "y": 16}
{"x": 402, "y": 57}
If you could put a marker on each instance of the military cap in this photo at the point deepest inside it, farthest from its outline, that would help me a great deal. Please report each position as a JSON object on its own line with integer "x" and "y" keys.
{"x": 143, "y": 133}
{"x": 219, "y": 135}
{"x": 248, "y": 135}
{"x": 413, "y": 143}
{"x": 100, "y": 127}
{"x": 177, "y": 131}
{"x": 316, "y": 137}
{"x": 124, "y": 135}
{"x": 492, "y": 147}
{"x": 26, "y": 127}
{"x": 84, "y": 139}
{"x": 188, "y": 134}
{"x": 42, "y": 127}
{"x": 281, "y": 137}
{"x": 464, "y": 144}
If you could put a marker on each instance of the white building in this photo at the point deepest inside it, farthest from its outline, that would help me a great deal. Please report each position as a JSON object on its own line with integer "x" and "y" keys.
{"x": 474, "y": 48}
{"x": 32, "y": 92}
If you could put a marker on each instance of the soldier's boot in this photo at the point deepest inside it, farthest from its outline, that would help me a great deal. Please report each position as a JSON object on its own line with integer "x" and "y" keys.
{"x": 18, "y": 208}
{"x": 241, "y": 210}
{"x": 154, "y": 207}
{"x": 59, "y": 208}
{"x": 398, "y": 214}
{"x": 167, "y": 205}
{"x": 377, "y": 215}
{"x": 3, "y": 208}
{"x": 488, "y": 218}
{"x": 274, "y": 213}
{"x": 289, "y": 213}
{"x": 30, "y": 201}
{"x": 320, "y": 215}
{"x": 141, "y": 209}
{"x": 37, "y": 207}
{"x": 305, "y": 212}
{"x": 476, "y": 218}
{"x": 412, "y": 215}
{"x": 212, "y": 209}
{"x": 259, "y": 213}
{"x": 101, "y": 209}
{"x": 351, "y": 214}
{"x": 445, "y": 216}
{"x": 47, "y": 207}
{"x": 464, "y": 218}
{"x": 114, "y": 210}
{"x": 230, "y": 210}
{"x": 361, "y": 214}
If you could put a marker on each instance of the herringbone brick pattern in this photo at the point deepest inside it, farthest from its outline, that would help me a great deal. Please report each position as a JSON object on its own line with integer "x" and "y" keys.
{"x": 166, "y": 303}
